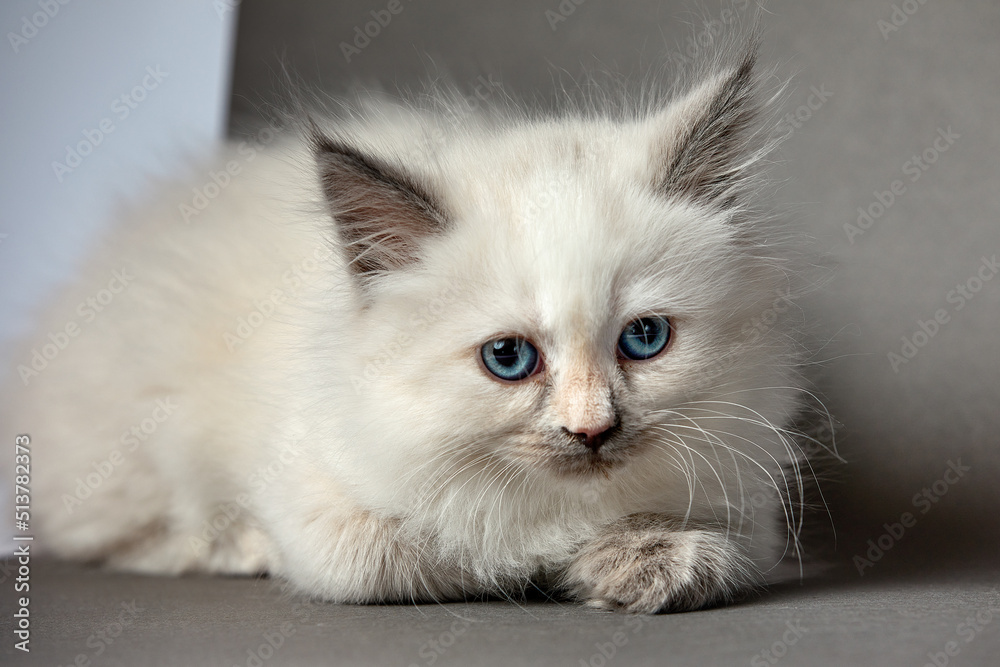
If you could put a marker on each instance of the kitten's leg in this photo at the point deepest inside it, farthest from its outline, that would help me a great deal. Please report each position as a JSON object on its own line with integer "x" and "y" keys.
{"x": 238, "y": 549}
{"x": 649, "y": 563}
{"x": 362, "y": 557}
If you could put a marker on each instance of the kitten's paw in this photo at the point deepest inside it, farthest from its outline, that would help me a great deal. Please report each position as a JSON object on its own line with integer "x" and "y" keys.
{"x": 645, "y": 564}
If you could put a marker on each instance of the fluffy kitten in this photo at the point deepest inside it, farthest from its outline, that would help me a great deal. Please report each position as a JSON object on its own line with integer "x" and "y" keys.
{"x": 414, "y": 355}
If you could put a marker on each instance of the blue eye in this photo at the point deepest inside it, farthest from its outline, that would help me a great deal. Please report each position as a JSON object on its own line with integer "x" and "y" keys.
{"x": 644, "y": 338}
{"x": 510, "y": 359}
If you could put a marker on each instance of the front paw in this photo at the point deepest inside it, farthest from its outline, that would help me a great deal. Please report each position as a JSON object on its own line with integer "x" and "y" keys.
{"x": 647, "y": 563}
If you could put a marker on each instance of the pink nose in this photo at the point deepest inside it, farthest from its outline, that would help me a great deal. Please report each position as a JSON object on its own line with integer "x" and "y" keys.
{"x": 592, "y": 437}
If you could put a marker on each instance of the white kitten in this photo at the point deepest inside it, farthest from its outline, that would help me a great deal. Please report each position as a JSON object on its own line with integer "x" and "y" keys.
{"x": 402, "y": 357}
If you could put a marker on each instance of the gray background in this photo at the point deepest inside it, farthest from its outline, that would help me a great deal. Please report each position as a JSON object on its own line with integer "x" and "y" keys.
{"x": 890, "y": 96}
{"x": 891, "y": 92}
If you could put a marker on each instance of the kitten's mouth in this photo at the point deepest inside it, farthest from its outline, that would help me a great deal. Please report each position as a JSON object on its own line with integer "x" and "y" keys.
{"x": 570, "y": 458}
{"x": 589, "y": 464}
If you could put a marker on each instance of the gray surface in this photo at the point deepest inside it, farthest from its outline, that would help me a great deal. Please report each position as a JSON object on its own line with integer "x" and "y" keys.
{"x": 194, "y": 621}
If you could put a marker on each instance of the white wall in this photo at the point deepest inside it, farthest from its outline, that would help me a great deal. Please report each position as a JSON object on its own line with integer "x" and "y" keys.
{"x": 58, "y": 83}
{"x": 64, "y": 67}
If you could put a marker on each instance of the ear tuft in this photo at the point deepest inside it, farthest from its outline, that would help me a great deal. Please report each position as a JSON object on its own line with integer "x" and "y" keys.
{"x": 713, "y": 136}
{"x": 382, "y": 215}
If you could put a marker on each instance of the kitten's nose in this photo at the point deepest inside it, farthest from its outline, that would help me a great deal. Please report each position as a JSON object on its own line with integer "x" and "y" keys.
{"x": 592, "y": 438}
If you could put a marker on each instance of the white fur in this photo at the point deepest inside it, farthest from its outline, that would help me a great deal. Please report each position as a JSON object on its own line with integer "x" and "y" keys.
{"x": 393, "y": 473}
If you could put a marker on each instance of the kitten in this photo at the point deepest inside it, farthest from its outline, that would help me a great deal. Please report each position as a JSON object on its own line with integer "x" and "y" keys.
{"x": 409, "y": 355}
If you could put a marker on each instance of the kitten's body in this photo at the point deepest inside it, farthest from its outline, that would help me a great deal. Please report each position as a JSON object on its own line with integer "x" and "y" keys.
{"x": 321, "y": 413}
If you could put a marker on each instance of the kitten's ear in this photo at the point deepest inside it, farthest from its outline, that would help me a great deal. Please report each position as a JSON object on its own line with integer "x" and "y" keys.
{"x": 708, "y": 141}
{"x": 382, "y": 215}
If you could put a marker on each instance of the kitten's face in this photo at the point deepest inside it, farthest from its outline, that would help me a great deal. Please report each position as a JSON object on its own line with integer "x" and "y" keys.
{"x": 555, "y": 301}
{"x": 565, "y": 278}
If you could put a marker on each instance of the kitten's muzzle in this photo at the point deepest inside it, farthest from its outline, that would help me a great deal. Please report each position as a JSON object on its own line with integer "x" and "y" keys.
{"x": 593, "y": 439}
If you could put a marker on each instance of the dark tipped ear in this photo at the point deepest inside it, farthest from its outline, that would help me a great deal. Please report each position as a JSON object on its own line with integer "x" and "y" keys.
{"x": 710, "y": 138}
{"x": 382, "y": 215}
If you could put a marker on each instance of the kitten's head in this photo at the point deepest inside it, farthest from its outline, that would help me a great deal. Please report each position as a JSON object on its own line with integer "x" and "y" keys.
{"x": 543, "y": 298}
